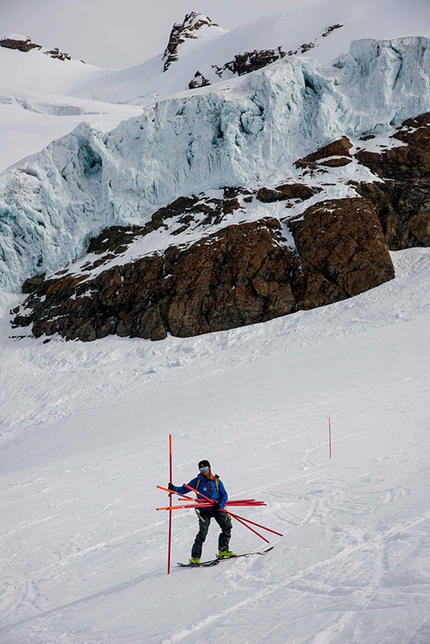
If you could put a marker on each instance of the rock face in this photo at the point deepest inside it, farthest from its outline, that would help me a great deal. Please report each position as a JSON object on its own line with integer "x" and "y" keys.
{"x": 342, "y": 239}
{"x": 181, "y": 32}
{"x": 240, "y": 275}
{"x": 403, "y": 195}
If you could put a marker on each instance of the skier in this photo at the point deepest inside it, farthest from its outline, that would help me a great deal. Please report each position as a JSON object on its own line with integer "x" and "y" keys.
{"x": 212, "y": 487}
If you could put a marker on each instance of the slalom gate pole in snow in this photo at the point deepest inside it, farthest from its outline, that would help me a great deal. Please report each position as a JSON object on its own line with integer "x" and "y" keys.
{"x": 329, "y": 437}
{"x": 169, "y": 548}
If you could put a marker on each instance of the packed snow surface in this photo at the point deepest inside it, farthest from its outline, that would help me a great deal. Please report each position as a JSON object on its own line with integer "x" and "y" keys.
{"x": 84, "y": 442}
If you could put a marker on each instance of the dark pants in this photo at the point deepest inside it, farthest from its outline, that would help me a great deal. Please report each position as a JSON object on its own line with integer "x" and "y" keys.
{"x": 224, "y": 523}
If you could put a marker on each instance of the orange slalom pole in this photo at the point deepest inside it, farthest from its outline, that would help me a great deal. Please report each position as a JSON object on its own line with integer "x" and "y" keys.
{"x": 185, "y": 507}
{"x": 182, "y": 497}
{"x": 169, "y": 547}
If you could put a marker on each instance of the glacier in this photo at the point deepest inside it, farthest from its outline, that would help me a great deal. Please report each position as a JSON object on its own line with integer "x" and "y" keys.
{"x": 242, "y": 132}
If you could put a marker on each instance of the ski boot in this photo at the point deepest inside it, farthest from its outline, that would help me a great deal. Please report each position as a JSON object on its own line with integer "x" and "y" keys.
{"x": 224, "y": 554}
{"x": 194, "y": 561}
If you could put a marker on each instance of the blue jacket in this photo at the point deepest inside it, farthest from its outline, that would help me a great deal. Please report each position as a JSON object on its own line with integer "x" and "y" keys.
{"x": 207, "y": 487}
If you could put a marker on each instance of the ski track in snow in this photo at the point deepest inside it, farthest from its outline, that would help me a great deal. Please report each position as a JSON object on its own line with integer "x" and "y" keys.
{"x": 85, "y": 443}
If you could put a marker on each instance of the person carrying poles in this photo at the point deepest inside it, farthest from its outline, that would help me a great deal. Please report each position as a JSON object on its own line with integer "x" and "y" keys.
{"x": 209, "y": 486}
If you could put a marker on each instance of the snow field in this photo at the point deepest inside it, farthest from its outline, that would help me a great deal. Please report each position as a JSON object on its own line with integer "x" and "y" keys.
{"x": 84, "y": 549}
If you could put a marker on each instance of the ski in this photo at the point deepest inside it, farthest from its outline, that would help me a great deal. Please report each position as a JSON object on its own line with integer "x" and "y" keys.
{"x": 214, "y": 562}
{"x": 202, "y": 564}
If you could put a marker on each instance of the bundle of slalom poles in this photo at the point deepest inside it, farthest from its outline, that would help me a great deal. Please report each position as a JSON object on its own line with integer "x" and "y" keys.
{"x": 204, "y": 502}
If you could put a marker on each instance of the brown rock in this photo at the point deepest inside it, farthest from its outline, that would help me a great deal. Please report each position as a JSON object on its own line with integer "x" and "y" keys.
{"x": 21, "y": 45}
{"x": 286, "y": 191}
{"x": 343, "y": 240}
{"x": 405, "y": 175}
{"x": 241, "y": 275}
{"x": 340, "y": 148}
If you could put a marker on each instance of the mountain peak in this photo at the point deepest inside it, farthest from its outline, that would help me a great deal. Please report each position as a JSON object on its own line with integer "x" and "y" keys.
{"x": 187, "y": 30}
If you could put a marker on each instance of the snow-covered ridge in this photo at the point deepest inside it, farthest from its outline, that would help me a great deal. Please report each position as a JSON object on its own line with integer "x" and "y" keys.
{"x": 245, "y": 132}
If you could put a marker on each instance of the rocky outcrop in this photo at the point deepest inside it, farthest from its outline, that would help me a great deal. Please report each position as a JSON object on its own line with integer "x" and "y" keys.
{"x": 57, "y": 54}
{"x": 25, "y": 45}
{"x": 286, "y": 191}
{"x": 199, "y": 80}
{"x": 240, "y": 275}
{"x": 181, "y": 32}
{"x": 342, "y": 240}
{"x": 250, "y": 61}
{"x": 334, "y": 154}
{"x": 249, "y": 272}
{"x": 21, "y": 44}
{"x": 402, "y": 197}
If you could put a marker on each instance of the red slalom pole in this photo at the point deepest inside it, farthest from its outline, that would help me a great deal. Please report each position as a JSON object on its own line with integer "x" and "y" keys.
{"x": 238, "y": 518}
{"x": 169, "y": 548}
{"x": 235, "y": 516}
{"x": 256, "y": 524}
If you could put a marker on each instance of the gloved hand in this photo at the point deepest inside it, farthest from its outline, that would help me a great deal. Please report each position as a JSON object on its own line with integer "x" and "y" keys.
{"x": 171, "y": 487}
{"x": 215, "y": 506}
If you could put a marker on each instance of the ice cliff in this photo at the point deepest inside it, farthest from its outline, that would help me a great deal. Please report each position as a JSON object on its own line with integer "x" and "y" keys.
{"x": 244, "y": 132}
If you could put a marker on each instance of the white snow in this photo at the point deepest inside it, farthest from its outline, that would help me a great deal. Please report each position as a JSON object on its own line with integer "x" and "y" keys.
{"x": 35, "y": 107}
{"x": 84, "y": 444}
{"x": 84, "y": 427}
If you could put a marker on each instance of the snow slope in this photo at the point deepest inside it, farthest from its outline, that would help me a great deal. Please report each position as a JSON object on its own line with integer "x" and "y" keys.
{"x": 308, "y": 25}
{"x": 84, "y": 443}
{"x": 35, "y": 107}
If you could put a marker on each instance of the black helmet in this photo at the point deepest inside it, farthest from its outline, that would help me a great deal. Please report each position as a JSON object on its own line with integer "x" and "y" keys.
{"x": 204, "y": 463}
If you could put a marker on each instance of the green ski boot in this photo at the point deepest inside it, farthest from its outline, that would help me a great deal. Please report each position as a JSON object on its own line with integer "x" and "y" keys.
{"x": 194, "y": 561}
{"x": 224, "y": 554}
